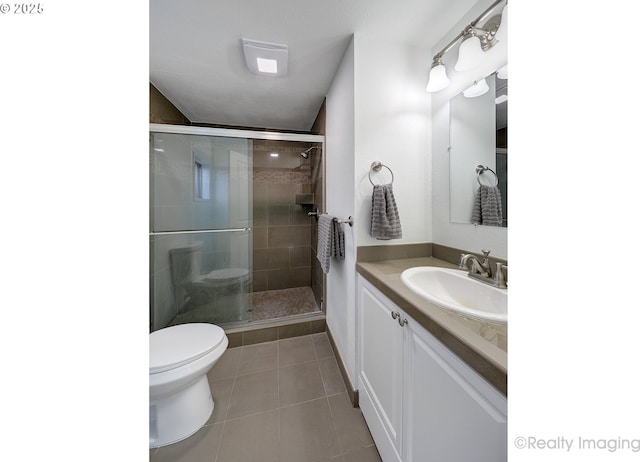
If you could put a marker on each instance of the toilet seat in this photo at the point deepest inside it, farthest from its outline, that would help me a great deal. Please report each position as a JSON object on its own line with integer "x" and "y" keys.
{"x": 175, "y": 346}
{"x": 224, "y": 275}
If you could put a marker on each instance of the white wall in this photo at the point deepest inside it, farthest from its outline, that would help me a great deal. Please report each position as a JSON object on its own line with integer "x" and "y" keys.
{"x": 465, "y": 236}
{"x": 340, "y": 145}
{"x": 377, "y": 110}
{"x": 393, "y": 127}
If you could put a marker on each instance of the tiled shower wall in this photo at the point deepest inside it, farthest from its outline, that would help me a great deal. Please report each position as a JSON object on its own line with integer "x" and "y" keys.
{"x": 284, "y": 235}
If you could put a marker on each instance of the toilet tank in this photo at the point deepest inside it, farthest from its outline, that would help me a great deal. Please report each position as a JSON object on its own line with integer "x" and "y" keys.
{"x": 186, "y": 262}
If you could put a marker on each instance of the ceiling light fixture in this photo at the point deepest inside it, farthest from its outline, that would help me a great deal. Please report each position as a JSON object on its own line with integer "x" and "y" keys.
{"x": 475, "y": 41}
{"x": 269, "y": 66}
{"x": 264, "y": 58}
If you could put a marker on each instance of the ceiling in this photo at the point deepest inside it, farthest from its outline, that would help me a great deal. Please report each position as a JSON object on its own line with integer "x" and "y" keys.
{"x": 196, "y": 58}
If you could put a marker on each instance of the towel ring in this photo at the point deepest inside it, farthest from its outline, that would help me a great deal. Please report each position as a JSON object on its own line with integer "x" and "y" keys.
{"x": 376, "y": 167}
{"x": 480, "y": 169}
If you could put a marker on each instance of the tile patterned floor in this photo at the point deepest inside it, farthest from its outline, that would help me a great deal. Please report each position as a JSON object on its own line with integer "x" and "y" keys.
{"x": 281, "y": 401}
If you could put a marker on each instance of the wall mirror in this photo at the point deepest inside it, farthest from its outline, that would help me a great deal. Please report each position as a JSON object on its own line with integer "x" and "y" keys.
{"x": 478, "y": 138}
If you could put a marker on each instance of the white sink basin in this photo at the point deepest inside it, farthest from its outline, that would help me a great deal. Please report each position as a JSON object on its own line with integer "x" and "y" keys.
{"x": 454, "y": 290}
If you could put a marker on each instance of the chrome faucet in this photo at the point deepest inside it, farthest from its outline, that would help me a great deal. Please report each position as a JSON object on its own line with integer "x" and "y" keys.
{"x": 481, "y": 270}
{"x": 477, "y": 267}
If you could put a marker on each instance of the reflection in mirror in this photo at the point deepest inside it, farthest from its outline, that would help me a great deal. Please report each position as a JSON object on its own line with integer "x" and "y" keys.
{"x": 478, "y": 138}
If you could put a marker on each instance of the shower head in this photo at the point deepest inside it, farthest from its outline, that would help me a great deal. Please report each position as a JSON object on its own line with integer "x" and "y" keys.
{"x": 305, "y": 153}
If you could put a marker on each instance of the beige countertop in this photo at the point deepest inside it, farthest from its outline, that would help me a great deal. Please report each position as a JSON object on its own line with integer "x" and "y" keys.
{"x": 481, "y": 344}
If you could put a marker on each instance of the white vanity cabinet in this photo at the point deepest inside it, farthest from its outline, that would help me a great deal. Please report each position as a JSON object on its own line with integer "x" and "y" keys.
{"x": 422, "y": 403}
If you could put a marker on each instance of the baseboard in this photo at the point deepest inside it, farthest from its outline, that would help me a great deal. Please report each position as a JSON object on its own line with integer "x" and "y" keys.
{"x": 351, "y": 391}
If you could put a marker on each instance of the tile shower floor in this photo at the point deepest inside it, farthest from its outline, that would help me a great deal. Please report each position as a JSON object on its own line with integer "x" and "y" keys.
{"x": 267, "y": 305}
{"x": 274, "y": 304}
{"x": 281, "y": 401}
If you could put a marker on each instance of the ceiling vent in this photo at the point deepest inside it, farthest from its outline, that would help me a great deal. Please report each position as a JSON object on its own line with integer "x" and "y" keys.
{"x": 265, "y": 58}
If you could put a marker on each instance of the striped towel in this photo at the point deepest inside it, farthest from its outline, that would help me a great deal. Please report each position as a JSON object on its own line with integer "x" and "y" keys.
{"x": 330, "y": 241}
{"x": 337, "y": 242}
{"x": 325, "y": 241}
{"x": 487, "y": 207}
{"x": 385, "y": 220}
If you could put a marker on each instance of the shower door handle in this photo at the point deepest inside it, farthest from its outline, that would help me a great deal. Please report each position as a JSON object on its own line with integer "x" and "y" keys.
{"x": 228, "y": 230}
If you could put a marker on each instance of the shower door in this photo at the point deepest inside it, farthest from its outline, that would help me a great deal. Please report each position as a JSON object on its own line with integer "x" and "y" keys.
{"x": 200, "y": 229}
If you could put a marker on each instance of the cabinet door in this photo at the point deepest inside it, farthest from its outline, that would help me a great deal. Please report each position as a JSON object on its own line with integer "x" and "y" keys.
{"x": 452, "y": 413}
{"x": 380, "y": 375}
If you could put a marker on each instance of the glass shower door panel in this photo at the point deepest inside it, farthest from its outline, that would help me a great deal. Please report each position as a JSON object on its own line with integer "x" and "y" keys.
{"x": 200, "y": 229}
{"x": 199, "y": 182}
{"x": 201, "y": 277}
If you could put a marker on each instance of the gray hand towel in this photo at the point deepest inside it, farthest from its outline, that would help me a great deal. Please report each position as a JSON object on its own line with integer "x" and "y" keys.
{"x": 325, "y": 241}
{"x": 330, "y": 241}
{"x": 385, "y": 219}
{"x": 487, "y": 207}
{"x": 337, "y": 246}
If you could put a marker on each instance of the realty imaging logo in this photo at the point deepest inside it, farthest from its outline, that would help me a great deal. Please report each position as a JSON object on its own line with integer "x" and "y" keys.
{"x": 581, "y": 443}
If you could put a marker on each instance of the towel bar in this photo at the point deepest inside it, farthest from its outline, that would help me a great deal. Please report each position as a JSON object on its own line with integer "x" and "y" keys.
{"x": 349, "y": 221}
{"x": 317, "y": 213}
{"x": 376, "y": 167}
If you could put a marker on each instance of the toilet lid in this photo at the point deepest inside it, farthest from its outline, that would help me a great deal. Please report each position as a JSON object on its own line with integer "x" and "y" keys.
{"x": 174, "y": 346}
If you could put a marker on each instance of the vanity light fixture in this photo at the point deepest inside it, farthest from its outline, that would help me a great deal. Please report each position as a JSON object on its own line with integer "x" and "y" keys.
{"x": 477, "y": 89}
{"x": 470, "y": 51}
{"x": 475, "y": 41}
{"x": 504, "y": 27}
{"x": 264, "y": 58}
{"x": 437, "y": 76}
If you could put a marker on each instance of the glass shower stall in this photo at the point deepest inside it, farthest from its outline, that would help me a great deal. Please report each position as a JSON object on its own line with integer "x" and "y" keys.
{"x": 231, "y": 225}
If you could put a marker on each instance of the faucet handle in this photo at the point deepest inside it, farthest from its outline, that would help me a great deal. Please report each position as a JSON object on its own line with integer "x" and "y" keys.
{"x": 486, "y": 253}
{"x": 499, "y": 277}
{"x": 461, "y": 261}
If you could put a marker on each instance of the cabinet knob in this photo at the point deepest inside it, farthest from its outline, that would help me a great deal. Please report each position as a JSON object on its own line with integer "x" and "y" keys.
{"x": 396, "y": 315}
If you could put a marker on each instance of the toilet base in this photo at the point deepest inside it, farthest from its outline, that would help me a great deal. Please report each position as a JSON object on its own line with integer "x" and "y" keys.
{"x": 176, "y": 417}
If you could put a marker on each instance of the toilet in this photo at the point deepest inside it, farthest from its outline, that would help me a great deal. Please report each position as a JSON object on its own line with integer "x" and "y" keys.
{"x": 180, "y": 400}
{"x": 223, "y": 292}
